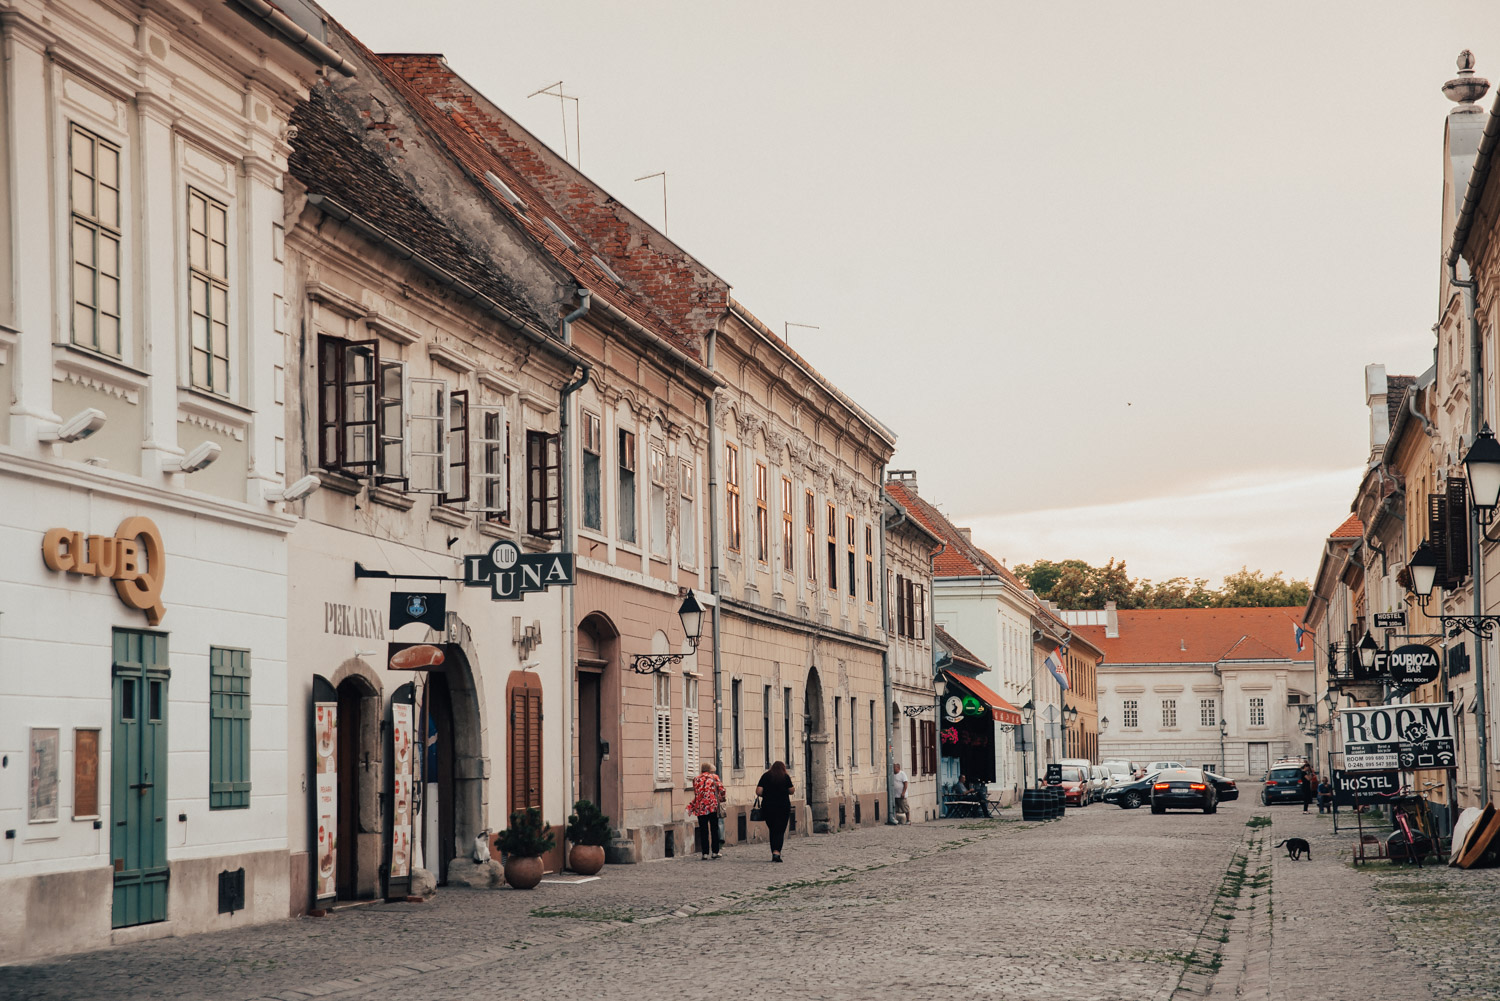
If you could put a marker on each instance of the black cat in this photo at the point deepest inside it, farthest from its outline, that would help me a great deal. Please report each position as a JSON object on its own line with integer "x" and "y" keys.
{"x": 1296, "y": 848}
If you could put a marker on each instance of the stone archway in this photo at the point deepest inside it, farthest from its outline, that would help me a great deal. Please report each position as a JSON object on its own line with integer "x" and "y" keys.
{"x": 597, "y": 692}
{"x": 815, "y": 758}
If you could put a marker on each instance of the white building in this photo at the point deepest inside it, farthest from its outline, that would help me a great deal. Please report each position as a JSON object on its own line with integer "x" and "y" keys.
{"x": 143, "y": 770}
{"x": 909, "y": 547}
{"x": 1205, "y": 686}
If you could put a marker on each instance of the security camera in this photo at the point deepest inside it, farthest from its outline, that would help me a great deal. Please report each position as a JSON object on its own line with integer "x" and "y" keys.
{"x": 199, "y": 458}
{"x": 75, "y": 428}
{"x": 297, "y": 490}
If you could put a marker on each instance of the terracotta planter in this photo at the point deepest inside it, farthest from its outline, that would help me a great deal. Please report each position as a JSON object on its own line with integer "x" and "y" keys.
{"x": 523, "y": 873}
{"x": 586, "y": 859}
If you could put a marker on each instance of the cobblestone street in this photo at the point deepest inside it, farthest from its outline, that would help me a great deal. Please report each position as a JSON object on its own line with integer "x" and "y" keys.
{"x": 1108, "y": 904}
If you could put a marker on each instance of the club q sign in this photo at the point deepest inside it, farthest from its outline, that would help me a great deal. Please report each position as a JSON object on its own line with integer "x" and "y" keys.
{"x": 133, "y": 558}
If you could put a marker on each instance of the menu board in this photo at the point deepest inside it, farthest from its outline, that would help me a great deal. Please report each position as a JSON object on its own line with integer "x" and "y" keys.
{"x": 85, "y": 774}
{"x": 401, "y": 738}
{"x": 325, "y": 749}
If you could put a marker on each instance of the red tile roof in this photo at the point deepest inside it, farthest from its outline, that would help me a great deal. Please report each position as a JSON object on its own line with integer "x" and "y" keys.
{"x": 1350, "y": 529}
{"x": 958, "y": 557}
{"x": 1201, "y": 636}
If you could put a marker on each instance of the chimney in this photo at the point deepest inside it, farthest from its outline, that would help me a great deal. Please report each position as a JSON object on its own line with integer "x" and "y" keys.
{"x": 906, "y": 477}
{"x": 967, "y": 534}
{"x": 1380, "y": 418}
{"x": 1111, "y": 621}
{"x": 1184, "y": 645}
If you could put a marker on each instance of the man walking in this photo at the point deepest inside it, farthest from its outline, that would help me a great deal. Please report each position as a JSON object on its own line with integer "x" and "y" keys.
{"x": 899, "y": 784}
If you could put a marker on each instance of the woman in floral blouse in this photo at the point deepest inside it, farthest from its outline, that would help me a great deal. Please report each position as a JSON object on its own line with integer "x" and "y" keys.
{"x": 708, "y": 793}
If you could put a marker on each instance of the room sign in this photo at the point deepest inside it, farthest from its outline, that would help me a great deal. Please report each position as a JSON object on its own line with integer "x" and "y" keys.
{"x": 1381, "y": 738}
{"x": 133, "y": 558}
{"x": 511, "y": 574}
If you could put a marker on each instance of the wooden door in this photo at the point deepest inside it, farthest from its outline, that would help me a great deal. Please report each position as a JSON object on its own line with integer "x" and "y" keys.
{"x": 589, "y": 737}
{"x": 345, "y": 870}
{"x": 138, "y": 801}
{"x": 525, "y": 741}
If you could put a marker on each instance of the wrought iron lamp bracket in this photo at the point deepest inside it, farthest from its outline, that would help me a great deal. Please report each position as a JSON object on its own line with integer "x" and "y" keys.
{"x": 915, "y": 710}
{"x": 654, "y": 663}
{"x": 1482, "y": 626}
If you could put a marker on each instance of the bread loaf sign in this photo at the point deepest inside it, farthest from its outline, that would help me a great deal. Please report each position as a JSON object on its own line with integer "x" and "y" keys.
{"x": 133, "y": 558}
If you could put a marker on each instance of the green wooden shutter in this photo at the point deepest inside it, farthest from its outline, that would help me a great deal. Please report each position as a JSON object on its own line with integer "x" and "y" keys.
{"x": 229, "y": 728}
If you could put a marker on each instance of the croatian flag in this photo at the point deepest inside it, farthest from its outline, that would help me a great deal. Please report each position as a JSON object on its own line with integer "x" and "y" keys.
{"x": 1054, "y": 663}
{"x": 1298, "y": 632}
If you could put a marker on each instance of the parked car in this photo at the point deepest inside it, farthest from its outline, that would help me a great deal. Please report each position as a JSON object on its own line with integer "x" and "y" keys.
{"x": 1119, "y": 771}
{"x": 1226, "y": 788}
{"x": 1131, "y": 794}
{"x": 1161, "y": 766}
{"x": 1075, "y": 784}
{"x": 1183, "y": 789}
{"x": 1099, "y": 780}
{"x": 1283, "y": 784}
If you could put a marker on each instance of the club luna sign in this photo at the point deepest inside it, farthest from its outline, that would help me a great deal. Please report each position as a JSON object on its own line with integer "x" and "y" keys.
{"x": 133, "y": 558}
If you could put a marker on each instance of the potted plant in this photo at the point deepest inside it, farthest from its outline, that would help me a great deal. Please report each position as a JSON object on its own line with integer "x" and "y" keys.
{"x": 523, "y": 844}
{"x": 588, "y": 830}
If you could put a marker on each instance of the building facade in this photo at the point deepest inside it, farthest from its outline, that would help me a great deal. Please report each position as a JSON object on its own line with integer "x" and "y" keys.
{"x": 138, "y": 464}
{"x": 914, "y": 716}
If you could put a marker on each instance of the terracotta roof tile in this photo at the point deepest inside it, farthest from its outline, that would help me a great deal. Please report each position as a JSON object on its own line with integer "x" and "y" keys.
{"x": 1350, "y": 529}
{"x": 1201, "y": 636}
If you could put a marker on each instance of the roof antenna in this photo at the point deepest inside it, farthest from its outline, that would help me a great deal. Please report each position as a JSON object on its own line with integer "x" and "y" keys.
{"x": 663, "y": 175}
{"x": 786, "y": 330}
{"x": 556, "y": 90}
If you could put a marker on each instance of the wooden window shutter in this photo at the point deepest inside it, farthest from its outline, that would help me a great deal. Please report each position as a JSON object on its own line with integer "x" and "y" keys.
{"x": 932, "y": 748}
{"x": 1437, "y": 522}
{"x": 525, "y": 747}
{"x": 229, "y": 728}
{"x": 916, "y": 754}
{"x": 1456, "y": 536}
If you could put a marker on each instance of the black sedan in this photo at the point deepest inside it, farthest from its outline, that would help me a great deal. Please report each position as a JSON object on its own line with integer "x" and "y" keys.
{"x": 1183, "y": 789}
{"x": 1226, "y": 788}
{"x": 1130, "y": 795}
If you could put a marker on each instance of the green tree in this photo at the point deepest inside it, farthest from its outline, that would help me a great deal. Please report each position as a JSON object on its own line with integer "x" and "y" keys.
{"x": 1076, "y": 584}
{"x": 1255, "y": 589}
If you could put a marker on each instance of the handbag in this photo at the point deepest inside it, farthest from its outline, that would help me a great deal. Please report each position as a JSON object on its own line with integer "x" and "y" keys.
{"x": 723, "y": 806}
{"x": 755, "y": 810}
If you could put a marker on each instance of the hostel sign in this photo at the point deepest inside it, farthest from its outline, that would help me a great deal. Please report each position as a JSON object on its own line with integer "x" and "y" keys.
{"x": 511, "y": 574}
{"x": 1382, "y": 738}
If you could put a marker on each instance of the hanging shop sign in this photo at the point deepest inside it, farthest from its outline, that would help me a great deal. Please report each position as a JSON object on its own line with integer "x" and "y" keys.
{"x": 415, "y": 606}
{"x": 417, "y": 656}
{"x": 1382, "y": 738}
{"x": 511, "y": 574}
{"x": 1390, "y": 620}
{"x": 133, "y": 558}
{"x": 1413, "y": 664}
{"x": 957, "y": 707}
{"x": 1359, "y": 789}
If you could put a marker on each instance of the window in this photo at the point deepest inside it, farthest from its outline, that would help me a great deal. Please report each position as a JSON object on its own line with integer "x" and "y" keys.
{"x": 788, "y": 530}
{"x": 736, "y": 701}
{"x": 870, "y": 564}
{"x": 765, "y": 723}
{"x": 1168, "y": 713}
{"x": 687, "y": 522}
{"x": 919, "y": 611}
{"x": 346, "y": 404}
{"x": 657, "y": 474}
{"x": 228, "y": 729}
{"x": 94, "y": 202}
{"x": 543, "y": 486}
{"x": 899, "y": 600}
{"x": 849, "y": 545}
{"x": 1131, "y": 711}
{"x": 391, "y": 396}
{"x": 627, "y": 461}
{"x": 732, "y": 497}
{"x": 809, "y": 521}
{"x": 690, "y": 748}
{"x": 494, "y": 466}
{"x": 833, "y": 548}
{"x": 874, "y": 756}
{"x": 838, "y": 730}
{"x": 662, "y": 704}
{"x": 1208, "y": 712}
{"x": 208, "y": 292}
{"x": 457, "y": 490}
{"x": 428, "y": 414}
{"x": 786, "y": 727}
{"x": 911, "y": 608}
{"x": 762, "y": 515}
{"x": 1257, "y": 711}
{"x": 853, "y": 733}
{"x": 593, "y": 488}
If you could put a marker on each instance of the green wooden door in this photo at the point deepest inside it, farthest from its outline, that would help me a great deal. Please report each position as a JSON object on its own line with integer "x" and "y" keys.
{"x": 138, "y": 799}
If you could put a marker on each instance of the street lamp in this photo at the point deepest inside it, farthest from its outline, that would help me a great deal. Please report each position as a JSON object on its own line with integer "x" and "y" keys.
{"x": 1070, "y": 714}
{"x": 1422, "y": 568}
{"x": 1482, "y": 464}
{"x": 1368, "y": 648}
{"x": 1103, "y": 723}
{"x": 691, "y": 614}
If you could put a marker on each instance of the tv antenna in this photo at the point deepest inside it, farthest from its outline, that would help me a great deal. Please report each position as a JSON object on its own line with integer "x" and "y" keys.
{"x": 556, "y": 90}
{"x": 663, "y": 175}
{"x": 787, "y": 326}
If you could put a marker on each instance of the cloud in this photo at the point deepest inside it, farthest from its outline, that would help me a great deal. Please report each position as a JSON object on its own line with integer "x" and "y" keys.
{"x": 1272, "y": 524}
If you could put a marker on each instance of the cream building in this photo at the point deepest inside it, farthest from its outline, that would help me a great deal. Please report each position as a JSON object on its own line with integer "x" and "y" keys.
{"x": 140, "y": 350}
{"x": 914, "y": 714}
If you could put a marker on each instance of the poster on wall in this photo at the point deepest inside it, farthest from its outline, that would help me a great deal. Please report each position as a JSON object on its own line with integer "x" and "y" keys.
{"x": 401, "y": 761}
{"x": 41, "y": 802}
{"x": 325, "y": 743}
{"x": 85, "y": 774}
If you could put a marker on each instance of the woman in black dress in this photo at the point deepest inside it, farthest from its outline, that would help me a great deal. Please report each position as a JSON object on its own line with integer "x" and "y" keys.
{"x": 775, "y": 791}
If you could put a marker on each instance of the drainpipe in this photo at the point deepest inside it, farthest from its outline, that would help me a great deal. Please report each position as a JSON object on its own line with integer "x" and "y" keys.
{"x": 1476, "y": 531}
{"x": 569, "y": 543}
{"x": 713, "y": 557}
{"x": 885, "y": 653}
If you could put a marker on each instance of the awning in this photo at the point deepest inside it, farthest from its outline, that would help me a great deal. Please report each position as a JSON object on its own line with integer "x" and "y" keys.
{"x": 1003, "y": 711}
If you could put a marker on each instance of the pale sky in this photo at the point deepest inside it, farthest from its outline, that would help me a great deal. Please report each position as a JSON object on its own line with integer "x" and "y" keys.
{"x": 1110, "y": 271}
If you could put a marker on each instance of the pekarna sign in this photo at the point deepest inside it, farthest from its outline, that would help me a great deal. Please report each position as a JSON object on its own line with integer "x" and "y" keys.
{"x": 133, "y": 558}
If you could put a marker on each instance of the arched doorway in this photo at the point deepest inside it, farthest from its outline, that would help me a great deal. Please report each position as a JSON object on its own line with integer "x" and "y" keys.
{"x": 359, "y": 850}
{"x": 815, "y": 751}
{"x": 597, "y": 649}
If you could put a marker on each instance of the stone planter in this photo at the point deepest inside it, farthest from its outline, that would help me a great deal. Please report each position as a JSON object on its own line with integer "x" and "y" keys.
{"x": 586, "y": 859}
{"x": 523, "y": 873}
